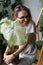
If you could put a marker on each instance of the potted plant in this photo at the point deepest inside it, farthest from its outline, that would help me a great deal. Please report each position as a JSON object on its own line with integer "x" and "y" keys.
{"x": 40, "y": 29}
{"x": 41, "y": 25}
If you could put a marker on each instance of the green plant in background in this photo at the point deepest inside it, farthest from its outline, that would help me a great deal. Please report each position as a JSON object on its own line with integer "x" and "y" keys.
{"x": 39, "y": 43}
{"x": 41, "y": 24}
{"x": 6, "y": 4}
{"x": 3, "y": 14}
{"x": 2, "y": 42}
{"x": 17, "y": 2}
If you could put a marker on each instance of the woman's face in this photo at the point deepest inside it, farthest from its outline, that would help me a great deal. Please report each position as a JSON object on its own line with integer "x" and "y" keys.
{"x": 24, "y": 18}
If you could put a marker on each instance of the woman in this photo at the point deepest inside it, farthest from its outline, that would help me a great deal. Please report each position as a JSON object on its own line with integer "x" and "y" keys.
{"x": 27, "y": 52}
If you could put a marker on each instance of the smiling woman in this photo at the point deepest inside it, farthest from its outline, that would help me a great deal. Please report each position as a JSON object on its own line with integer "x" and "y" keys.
{"x": 19, "y": 32}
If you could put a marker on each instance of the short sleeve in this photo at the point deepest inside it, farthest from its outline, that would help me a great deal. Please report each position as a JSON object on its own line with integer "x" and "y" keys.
{"x": 30, "y": 28}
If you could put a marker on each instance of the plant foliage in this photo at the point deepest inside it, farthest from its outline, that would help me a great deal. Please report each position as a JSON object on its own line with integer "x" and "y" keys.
{"x": 41, "y": 24}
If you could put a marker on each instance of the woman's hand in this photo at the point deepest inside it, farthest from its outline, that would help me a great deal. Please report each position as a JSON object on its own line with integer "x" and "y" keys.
{"x": 8, "y": 58}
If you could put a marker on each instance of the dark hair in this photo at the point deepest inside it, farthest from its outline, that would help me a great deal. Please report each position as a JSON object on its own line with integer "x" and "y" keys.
{"x": 20, "y": 8}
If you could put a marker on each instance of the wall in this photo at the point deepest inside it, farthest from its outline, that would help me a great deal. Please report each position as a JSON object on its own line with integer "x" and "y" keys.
{"x": 35, "y": 7}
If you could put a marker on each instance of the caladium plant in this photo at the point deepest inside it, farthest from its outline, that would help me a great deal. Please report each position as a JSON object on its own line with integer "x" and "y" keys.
{"x": 41, "y": 24}
{"x": 13, "y": 32}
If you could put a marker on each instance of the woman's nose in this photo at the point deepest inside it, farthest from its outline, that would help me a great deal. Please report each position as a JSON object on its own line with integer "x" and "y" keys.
{"x": 25, "y": 19}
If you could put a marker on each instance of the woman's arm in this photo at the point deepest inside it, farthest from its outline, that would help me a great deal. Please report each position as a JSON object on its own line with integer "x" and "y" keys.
{"x": 9, "y": 58}
{"x": 19, "y": 50}
{"x": 7, "y": 51}
{"x": 31, "y": 37}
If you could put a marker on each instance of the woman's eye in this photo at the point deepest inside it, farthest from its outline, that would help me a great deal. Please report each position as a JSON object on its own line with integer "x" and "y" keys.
{"x": 22, "y": 17}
